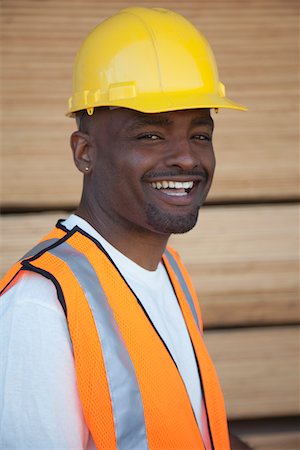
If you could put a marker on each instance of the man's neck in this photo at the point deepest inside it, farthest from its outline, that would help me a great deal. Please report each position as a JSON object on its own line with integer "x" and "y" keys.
{"x": 143, "y": 247}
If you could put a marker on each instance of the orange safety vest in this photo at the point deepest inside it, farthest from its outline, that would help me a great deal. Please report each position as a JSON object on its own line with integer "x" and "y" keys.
{"x": 132, "y": 394}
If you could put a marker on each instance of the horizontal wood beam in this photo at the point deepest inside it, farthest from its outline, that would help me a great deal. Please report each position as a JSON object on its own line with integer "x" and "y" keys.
{"x": 243, "y": 260}
{"x": 258, "y": 370}
{"x": 269, "y": 434}
{"x": 244, "y": 263}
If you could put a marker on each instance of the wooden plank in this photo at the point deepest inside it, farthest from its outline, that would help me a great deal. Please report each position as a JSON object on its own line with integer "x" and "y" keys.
{"x": 269, "y": 434}
{"x": 19, "y": 233}
{"x": 244, "y": 263}
{"x": 258, "y": 370}
{"x": 243, "y": 260}
{"x": 257, "y": 51}
{"x": 274, "y": 440}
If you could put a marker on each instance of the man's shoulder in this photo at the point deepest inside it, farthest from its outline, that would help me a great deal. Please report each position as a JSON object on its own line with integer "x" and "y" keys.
{"x": 31, "y": 289}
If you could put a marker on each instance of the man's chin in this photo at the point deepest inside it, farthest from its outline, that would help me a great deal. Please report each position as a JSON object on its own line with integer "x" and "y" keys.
{"x": 171, "y": 223}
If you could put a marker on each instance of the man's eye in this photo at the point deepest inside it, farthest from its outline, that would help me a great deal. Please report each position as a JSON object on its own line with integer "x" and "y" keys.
{"x": 149, "y": 136}
{"x": 202, "y": 137}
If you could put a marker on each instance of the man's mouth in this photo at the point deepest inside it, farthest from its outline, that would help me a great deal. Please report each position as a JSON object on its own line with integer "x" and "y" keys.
{"x": 174, "y": 188}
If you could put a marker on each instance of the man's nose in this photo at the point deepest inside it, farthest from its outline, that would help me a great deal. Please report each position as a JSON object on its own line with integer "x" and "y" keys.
{"x": 181, "y": 154}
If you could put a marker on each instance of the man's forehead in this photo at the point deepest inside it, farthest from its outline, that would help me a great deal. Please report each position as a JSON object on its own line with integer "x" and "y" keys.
{"x": 131, "y": 118}
{"x": 168, "y": 118}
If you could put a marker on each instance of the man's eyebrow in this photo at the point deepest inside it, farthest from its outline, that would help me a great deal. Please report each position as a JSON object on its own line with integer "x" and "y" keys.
{"x": 149, "y": 120}
{"x": 166, "y": 122}
{"x": 203, "y": 121}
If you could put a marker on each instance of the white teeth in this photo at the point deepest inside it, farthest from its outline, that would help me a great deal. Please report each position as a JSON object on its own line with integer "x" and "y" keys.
{"x": 172, "y": 184}
{"x": 177, "y": 194}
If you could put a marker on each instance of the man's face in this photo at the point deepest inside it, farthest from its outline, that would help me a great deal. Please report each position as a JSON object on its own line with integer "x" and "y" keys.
{"x": 151, "y": 172}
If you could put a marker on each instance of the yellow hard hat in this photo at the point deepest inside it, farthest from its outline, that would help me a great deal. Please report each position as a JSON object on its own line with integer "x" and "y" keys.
{"x": 146, "y": 59}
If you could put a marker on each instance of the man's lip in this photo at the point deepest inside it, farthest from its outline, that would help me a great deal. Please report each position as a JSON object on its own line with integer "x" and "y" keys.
{"x": 175, "y": 200}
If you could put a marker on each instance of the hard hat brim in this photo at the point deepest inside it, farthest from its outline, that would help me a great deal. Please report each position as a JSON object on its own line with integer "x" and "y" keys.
{"x": 157, "y": 102}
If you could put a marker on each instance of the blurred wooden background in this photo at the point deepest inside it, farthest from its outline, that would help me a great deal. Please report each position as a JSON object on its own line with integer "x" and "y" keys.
{"x": 244, "y": 253}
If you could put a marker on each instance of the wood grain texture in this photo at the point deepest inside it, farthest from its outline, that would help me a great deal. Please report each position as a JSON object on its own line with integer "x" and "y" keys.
{"x": 244, "y": 263}
{"x": 269, "y": 434}
{"x": 274, "y": 440}
{"x": 243, "y": 260}
{"x": 258, "y": 370}
{"x": 256, "y": 48}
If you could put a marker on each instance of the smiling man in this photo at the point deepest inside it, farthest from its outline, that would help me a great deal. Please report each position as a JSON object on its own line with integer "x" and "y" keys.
{"x": 104, "y": 331}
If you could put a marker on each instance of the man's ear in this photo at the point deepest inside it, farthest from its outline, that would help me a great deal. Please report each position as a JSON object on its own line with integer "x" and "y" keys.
{"x": 82, "y": 151}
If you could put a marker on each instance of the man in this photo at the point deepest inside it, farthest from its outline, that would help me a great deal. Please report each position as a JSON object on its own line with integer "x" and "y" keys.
{"x": 102, "y": 327}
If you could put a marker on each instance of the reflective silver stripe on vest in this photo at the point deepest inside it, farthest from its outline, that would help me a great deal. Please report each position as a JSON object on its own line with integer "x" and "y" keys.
{"x": 125, "y": 394}
{"x": 39, "y": 247}
{"x": 182, "y": 282}
{"x": 203, "y": 425}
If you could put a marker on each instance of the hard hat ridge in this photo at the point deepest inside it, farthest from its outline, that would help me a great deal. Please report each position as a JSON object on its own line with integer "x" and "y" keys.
{"x": 147, "y": 59}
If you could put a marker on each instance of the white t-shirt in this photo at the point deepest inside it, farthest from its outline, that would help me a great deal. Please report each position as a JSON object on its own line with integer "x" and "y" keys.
{"x": 39, "y": 403}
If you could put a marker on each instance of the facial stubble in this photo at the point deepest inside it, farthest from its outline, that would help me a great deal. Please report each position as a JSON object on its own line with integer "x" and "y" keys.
{"x": 170, "y": 223}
